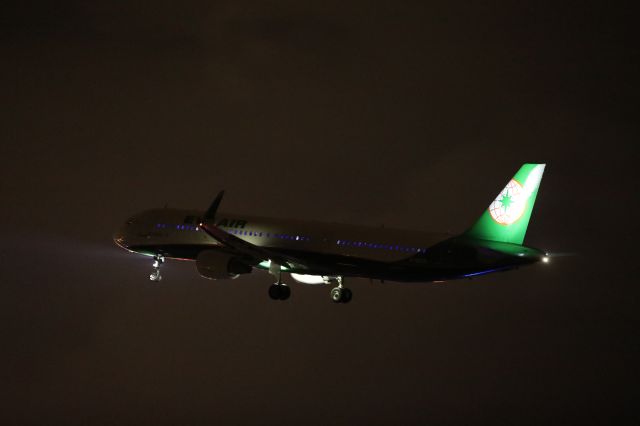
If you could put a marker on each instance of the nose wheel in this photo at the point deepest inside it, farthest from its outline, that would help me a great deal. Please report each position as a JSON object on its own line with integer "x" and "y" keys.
{"x": 340, "y": 294}
{"x": 158, "y": 260}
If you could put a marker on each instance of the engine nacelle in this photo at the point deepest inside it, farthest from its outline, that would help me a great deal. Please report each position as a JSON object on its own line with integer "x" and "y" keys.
{"x": 220, "y": 266}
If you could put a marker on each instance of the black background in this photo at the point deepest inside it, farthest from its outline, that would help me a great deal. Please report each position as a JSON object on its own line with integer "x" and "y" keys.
{"x": 410, "y": 115}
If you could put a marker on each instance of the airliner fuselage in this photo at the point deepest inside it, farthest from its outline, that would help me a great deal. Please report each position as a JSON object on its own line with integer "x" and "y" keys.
{"x": 226, "y": 245}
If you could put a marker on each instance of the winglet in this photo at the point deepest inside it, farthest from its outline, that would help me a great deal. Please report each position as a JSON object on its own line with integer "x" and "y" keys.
{"x": 213, "y": 208}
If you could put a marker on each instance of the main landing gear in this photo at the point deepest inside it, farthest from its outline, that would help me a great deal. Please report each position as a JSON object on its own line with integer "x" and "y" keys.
{"x": 340, "y": 294}
{"x": 278, "y": 290}
{"x": 158, "y": 260}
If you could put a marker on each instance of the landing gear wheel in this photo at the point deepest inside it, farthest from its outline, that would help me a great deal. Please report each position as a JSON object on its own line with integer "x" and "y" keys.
{"x": 346, "y": 295}
{"x": 341, "y": 295}
{"x": 336, "y": 294}
{"x": 158, "y": 260}
{"x": 279, "y": 292}
{"x": 285, "y": 292}
{"x": 274, "y": 292}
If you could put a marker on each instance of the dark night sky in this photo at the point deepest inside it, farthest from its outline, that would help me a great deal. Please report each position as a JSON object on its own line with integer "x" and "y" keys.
{"x": 409, "y": 115}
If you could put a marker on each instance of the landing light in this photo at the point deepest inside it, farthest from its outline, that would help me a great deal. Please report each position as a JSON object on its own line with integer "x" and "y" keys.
{"x": 308, "y": 279}
{"x": 266, "y": 264}
{"x": 545, "y": 259}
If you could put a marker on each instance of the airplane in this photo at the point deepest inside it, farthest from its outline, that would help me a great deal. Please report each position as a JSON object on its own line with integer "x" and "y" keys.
{"x": 227, "y": 245}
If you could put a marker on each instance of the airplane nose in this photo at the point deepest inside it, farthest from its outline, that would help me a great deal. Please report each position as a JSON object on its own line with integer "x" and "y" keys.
{"x": 119, "y": 239}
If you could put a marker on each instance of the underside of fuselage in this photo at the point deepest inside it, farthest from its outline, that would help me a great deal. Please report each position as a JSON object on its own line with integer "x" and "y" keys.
{"x": 434, "y": 264}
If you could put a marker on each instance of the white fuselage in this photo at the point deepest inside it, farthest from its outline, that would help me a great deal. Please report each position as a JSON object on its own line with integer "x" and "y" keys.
{"x": 171, "y": 227}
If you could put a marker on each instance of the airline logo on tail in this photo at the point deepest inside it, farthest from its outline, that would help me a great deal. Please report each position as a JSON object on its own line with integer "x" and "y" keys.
{"x": 511, "y": 203}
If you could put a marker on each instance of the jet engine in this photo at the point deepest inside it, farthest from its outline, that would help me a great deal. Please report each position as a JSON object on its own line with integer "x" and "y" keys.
{"x": 220, "y": 266}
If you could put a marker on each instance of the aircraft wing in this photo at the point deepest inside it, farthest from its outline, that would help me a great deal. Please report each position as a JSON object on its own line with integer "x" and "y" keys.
{"x": 246, "y": 248}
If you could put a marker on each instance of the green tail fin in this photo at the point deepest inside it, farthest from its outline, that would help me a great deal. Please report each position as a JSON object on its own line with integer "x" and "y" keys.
{"x": 507, "y": 217}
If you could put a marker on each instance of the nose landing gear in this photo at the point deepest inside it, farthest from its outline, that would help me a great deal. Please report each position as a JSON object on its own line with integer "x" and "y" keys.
{"x": 158, "y": 260}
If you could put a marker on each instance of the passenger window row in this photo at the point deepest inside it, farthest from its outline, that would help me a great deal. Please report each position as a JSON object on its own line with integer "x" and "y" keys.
{"x": 390, "y": 247}
{"x": 178, "y": 227}
{"x": 343, "y": 243}
{"x": 269, "y": 235}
